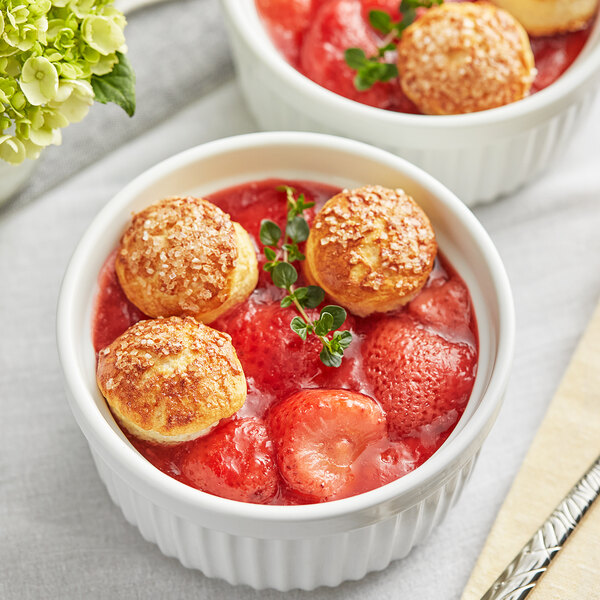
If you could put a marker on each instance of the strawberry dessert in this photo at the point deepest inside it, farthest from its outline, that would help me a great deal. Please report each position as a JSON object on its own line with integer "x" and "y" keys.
{"x": 315, "y": 36}
{"x": 337, "y": 404}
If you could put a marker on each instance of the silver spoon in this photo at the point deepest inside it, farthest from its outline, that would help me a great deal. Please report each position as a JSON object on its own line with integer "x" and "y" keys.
{"x": 523, "y": 573}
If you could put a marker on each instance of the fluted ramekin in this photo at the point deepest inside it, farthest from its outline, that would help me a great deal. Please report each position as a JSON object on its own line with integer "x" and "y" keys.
{"x": 286, "y": 547}
{"x": 479, "y": 156}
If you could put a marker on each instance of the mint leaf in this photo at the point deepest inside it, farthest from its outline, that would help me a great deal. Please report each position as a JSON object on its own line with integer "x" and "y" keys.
{"x": 300, "y": 327}
{"x": 314, "y": 296}
{"x": 270, "y": 253}
{"x": 343, "y": 338}
{"x": 355, "y": 58}
{"x": 284, "y": 275}
{"x": 330, "y": 359}
{"x": 118, "y": 86}
{"x": 298, "y": 229}
{"x": 381, "y": 21}
{"x": 337, "y": 314}
{"x": 287, "y": 301}
{"x": 269, "y": 233}
{"x": 324, "y": 325}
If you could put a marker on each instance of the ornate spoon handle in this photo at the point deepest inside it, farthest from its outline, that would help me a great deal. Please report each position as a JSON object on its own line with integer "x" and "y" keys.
{"x": 522, "y": 574}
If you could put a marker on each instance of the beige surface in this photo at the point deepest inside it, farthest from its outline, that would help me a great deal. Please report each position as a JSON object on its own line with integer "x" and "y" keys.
{"x": 566, "y": 444}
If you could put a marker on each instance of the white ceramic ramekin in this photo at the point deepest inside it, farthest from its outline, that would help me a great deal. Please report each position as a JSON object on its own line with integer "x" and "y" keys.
{"x": 479, "y": 156}
{"x": 287, "y": 547}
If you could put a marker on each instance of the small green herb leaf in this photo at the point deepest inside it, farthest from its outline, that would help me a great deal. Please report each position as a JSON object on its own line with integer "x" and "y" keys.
{"x": 293, "y": 252}
{"x": 324, "y": 325}
{"x": 330, "y": 359}
{"x": 343, "y": 338}
{"x": 270, "y": 253}
{"x": 337, "y": 313}
{"x": 287, "y": 301}
{"x": 269, "y": 233}
{"x": 300, "y": 326}
{"x": 284, "y": 275}
{"x": 381, "y": 21}
{"x": 117, "y": 86}
{"x": 355, "y": 58}
{"x": 298, "y": 229}
{"x": 314, "y": 296}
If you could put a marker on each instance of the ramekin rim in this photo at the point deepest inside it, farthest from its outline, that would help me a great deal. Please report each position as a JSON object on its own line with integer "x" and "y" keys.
{"x": 97, "y": 425}
{"x": 575, "y": 76}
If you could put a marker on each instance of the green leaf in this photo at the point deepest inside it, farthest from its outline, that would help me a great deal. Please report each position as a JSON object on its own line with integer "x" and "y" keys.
{"x": 270, "y": 253}
{"x": 284, "y": 275}
{"x": 270, "y": 233}
{"x": 343, "y": 338}
{"x": 117, "y": 86}
{"x": 364, "y": 80}
{"x": 381, "y": 21}
{"x": 330, "y": 359}
{"x": 355, "y": 58}
{"x": 293, "y": 252}
{"x": 300, "y": 326}
{"x": 324, "y": 325}
{"x": 287, "y": 301}
{"x": 300, "y": 293}
{"x": 314, "y": 296}
{"x": 268, "y": 267}
{"x": 337, "y": 313}
{"x": 388, "y": 72}
{"x": 298, "y": 229}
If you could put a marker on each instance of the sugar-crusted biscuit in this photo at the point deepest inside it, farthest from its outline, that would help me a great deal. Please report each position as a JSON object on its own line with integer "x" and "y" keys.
{"x": 371, "y": 249}
{"x": 171, "y": 379}
{"x": 185, "y": 256}
{"x": 463, "y": 58}
{"x": 549, "y": 17}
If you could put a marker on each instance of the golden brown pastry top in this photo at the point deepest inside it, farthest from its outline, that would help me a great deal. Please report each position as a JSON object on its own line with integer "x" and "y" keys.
{"x": 466, "y": 57}
{"x": 179, "y": 257}
{"x": 549, "y": 17}
{"x": 371, "y": 249}
{"x": 169, "y": 379}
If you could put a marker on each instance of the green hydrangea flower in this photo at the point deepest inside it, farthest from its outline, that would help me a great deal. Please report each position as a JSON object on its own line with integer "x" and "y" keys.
{"x": 56, "y": 58}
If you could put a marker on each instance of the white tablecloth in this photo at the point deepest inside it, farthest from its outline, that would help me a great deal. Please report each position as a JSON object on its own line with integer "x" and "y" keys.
{"x": 60, "y": 535}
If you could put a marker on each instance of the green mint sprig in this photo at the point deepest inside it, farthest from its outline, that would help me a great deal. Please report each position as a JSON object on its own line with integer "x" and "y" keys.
{"x": 281, "y": 249}
{"x": 371, "y": 69}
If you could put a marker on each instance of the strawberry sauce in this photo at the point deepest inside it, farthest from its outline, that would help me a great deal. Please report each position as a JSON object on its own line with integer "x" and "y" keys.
{"x": 413, "y": 370}
{"x": 313, "y": 34}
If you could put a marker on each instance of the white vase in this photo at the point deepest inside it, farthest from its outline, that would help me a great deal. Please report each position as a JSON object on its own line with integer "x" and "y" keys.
{"x": 13, "y": 178}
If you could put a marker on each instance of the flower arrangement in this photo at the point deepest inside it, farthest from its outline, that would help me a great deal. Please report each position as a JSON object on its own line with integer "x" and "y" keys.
{"x": 56, "y": 58}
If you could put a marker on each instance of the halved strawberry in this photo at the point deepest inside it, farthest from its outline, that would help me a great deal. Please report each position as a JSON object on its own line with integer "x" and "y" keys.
{"x": 318, "y": 436}
{"x": 417, "y": 376}
{"x": 234, "y": 461}
{"x": 294, "y": 15}
{"x": 446, "y": 307}
{"x": 337, "y": 26}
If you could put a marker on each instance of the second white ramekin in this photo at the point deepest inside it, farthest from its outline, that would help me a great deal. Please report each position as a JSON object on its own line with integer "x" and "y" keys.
{"x": 479, "y": 156}
{"x": 286, "y": 547}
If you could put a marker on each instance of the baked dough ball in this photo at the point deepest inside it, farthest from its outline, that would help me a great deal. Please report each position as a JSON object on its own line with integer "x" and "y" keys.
{"x": 549, "y": 17}
{"x": 171, "y": 380}
{"x": 371, "y": 249}
{"x": 462, "y": 58}
{"x": 184, "y": 256}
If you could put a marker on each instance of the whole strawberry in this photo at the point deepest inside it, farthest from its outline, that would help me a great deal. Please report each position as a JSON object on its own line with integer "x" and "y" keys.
{"x": 235, "y": 461}
{"x": 417, "y": 376}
